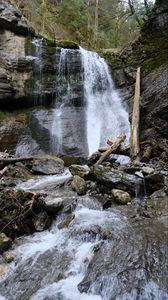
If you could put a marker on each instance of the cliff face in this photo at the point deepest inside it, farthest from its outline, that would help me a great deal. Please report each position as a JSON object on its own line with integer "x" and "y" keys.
{"x": 150, "y": 52}
{"x": 24, "y": 61}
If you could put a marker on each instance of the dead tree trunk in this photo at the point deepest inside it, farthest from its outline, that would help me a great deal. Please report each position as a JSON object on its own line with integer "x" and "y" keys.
{"x": 134, "y": 139}
{"x": 112, "y": 148}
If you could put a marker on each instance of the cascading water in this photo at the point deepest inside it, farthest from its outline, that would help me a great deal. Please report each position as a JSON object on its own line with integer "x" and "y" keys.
{"x": 39, "y": 69}
{"x": 106, "y": 115}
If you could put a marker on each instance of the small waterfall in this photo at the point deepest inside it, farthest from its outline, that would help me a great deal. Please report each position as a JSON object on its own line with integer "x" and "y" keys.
{"x": 39, "y": 69}
{"x": 106, "y": 115}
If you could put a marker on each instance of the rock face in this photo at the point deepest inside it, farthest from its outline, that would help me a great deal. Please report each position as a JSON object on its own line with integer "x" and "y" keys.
{"x": 149, "y": 52}
{"x": 48, "y": 166}
{"x": 23, "y": 60}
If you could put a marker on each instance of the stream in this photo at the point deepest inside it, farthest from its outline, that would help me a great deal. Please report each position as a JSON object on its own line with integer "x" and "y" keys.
{"x": 102, "y": 255}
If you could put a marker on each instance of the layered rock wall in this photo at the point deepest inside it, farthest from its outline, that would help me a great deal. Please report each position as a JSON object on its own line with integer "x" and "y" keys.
{"x": 29, "y": 68}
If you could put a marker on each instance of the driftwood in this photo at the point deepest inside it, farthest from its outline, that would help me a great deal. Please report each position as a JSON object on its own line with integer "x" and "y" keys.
{"x": 13, "y": 160}
{"x": 121, "y": 150}
{"x": 111, "y": 149}
{"x": 3, "y": 171}
{"x": 134, "y": 140}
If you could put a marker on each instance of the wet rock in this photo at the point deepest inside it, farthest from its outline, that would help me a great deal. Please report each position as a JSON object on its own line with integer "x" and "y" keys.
{"x": 78, "y": 184}
{"x": 8, "y": 257}
{"x": 106, "y": 235}
{"x": 79, "y": 170}
{"x": 157, "y": 203}
{"x": 2, "y": 269}
{"x": 120, "y": 196}
{"x": 48, "y": 165}
{"x": 147, "y": 170}
{"x": 66, "y": 222}
{"x": 5, "y": 242}
{"x": 112, "y": 178}
{"x": 93, "y": 158}
{"x": 73, "y": 160}
{"x": 53, "y": 204}
{"x": 41, "y": 221}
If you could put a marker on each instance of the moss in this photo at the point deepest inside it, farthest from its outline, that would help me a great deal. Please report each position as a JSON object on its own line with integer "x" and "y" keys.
{"x": 67, "y": 44}
{"x": 61, "y": 43}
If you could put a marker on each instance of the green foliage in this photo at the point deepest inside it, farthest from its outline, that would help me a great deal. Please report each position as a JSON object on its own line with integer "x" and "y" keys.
{"x": 76, "y": 20}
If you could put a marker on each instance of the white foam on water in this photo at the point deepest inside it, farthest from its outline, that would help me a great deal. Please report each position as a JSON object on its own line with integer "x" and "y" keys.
{"x": 106, "y": 115}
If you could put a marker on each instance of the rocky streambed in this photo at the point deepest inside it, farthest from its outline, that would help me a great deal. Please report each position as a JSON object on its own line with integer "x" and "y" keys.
{"x": 83, "y": 231}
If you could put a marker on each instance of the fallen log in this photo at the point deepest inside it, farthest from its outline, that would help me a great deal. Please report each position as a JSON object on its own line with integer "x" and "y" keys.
{"x": 13, "y": 160}
{"x": 111, "y": 149}
{"x": 134, "y": 139}
{"x": 121, "y": 150}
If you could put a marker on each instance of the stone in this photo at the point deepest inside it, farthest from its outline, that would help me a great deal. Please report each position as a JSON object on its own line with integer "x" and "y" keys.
{"x": 48, "y": 165}
{"x": 147, "y": 170}
{"x": 5, "y": 242}
{"x": 78, "y": 184}
{"x": 41, "y": 221}
{"x": 121, "y": 197}
{"x": 79, "y": 170}
{"x": 66, "y": 222}
{"x": 115, "y": 178}
{"x": 53, "y": 205}
{"x": 9, "y": 257}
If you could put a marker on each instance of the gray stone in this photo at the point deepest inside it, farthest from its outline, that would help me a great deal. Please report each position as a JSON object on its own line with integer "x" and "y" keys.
{"x": 120, "y": 196}
{"x": 117, "y": 179}
{"x": 53, "y": 204}
{"x": 147, "y": 170}
{"x": 79, "y": 170}
{"x": 48, "y": 165}
{"x": 5, "y": 242}
{"x": 78, "y": 184}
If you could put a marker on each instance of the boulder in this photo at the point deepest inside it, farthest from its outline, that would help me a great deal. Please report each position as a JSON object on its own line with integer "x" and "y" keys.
{"x": 5, "y": 242}
{"x": 78, "y": 184}
{"x": 79, "y": 170}
{"x": 48, "y": 165}
{"x": 53, "y": 205}
{"x": 120, "y": 196}
{"x": 115, "y": 179}
{"x": 8, "y": 257}
{"x": 66, "y": 222}
{"x": 147, "y": 170}
{"x": 41, "y": 221}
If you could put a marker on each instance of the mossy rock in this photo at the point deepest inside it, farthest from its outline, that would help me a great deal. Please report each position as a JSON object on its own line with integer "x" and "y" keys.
{"x": 67, "y": 44}
{"x": 61, "y": 44}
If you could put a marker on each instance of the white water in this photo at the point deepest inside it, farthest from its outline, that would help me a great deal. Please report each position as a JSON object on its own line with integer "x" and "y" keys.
{"x": 80, "y": 252}
{"x": 106, "y": 115}
{"x": 41, "y": 182}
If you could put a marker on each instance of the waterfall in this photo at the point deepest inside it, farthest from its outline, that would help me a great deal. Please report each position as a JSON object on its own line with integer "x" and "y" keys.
{"x": 106, "y": 115}
{"x": 39, "y": 69}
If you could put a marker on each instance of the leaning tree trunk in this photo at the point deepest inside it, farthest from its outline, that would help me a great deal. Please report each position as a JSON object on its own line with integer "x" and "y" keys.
{"x": 134, "y": 139}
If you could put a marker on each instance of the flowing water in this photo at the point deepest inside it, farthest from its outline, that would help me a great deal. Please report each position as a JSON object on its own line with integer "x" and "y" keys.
{"x": 86, "y": 107}
{"x": 106, "y": 115}
{"x": 102, "y": 255}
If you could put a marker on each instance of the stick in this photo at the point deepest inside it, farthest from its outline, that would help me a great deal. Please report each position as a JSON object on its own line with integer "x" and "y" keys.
{"x": 112, "y": 148}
